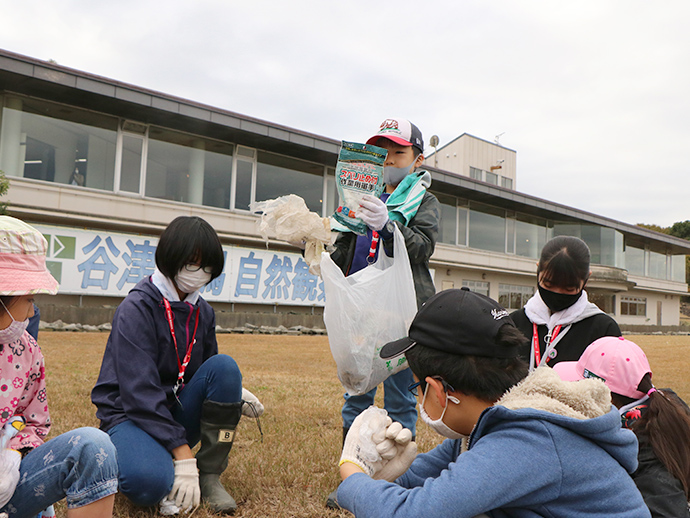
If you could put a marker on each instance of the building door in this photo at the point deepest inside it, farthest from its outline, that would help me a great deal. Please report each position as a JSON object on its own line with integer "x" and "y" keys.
{"x": 658, "y": 312}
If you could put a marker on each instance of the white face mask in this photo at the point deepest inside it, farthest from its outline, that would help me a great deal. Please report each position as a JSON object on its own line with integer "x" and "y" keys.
{"x": 438, "y": 425}
{"x": 189, "y": 282}
{"x": 14, "y": 331}
{"x": 394, "y": 175}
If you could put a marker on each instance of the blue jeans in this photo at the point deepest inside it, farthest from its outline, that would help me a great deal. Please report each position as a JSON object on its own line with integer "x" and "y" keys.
{"x": 146, "y": 467}
{"x": 80, "y": 465}
{"x": 399, "y": 402}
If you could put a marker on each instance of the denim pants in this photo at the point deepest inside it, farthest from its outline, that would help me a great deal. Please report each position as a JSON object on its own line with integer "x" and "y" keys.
{"x": 80, "y": 465}
{"x": 146, "y": 467}
{"x": 399, "y": 402}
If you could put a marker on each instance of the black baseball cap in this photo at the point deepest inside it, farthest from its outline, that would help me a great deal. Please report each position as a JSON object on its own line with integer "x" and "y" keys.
{"x": 459, "y": 322}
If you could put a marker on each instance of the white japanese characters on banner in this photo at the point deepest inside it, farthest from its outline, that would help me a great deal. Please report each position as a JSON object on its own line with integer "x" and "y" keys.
{"x": 93, "y": 262}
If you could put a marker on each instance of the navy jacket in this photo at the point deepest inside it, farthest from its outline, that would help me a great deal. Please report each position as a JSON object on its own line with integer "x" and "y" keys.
{"x": 139, "y": 367}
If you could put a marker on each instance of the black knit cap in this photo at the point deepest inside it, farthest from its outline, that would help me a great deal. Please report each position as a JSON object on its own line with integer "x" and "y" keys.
{"x": 459, "y": 322}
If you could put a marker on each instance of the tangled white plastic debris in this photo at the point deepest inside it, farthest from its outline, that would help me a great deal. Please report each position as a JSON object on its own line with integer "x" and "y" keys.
{"x": 289, "y": 219}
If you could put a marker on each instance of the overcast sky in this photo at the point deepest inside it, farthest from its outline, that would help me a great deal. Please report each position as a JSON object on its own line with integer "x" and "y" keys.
{"x": 593, "y": 94}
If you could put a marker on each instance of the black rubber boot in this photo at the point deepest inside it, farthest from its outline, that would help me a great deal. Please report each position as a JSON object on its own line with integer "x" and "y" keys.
{"x": 218, "y": 425}
{"x": 331, "y": 501}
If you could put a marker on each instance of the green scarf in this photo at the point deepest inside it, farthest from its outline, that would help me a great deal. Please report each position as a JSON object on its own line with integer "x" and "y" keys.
{"x": 404, "y": 201}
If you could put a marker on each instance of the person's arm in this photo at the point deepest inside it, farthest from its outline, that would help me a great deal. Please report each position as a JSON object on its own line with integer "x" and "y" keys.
{"x": 342, "y": 250}
{"x": 661, "y": 491}
{"x": 34, "y": 403}
{"x": 136, "y": 353}
{"x": 210, "y": 340}
{"x": 421, "y": 232}
{"x": 462, "y": 484}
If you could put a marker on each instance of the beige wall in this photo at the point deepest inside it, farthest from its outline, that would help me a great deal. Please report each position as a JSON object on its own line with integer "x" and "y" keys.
{"x": 466, "y": 151}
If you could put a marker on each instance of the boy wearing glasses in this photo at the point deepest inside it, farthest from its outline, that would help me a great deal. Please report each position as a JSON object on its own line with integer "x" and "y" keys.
{"x": 518, "y": 445}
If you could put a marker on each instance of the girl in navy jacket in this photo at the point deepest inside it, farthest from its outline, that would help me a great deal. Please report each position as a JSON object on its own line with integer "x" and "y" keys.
{"x": 163, "y": 387}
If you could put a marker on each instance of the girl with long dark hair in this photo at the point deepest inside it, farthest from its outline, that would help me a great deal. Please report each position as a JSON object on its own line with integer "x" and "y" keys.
{"x": 559, "y": 320}
{"x": 659, "y": 418}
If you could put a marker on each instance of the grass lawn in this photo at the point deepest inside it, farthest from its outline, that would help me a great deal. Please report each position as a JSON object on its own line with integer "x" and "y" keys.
{"x": 295, "y": 468}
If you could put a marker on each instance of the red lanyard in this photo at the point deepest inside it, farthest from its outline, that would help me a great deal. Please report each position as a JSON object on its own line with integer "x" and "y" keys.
{"x": 372, "y": 247}
{"x": 549, "y": 340}
{"x": 182, "y": 367}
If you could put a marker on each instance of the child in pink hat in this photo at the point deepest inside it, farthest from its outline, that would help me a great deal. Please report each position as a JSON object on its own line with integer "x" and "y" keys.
{"x": 79, "y": 465}
{"x": 659, "y": 418}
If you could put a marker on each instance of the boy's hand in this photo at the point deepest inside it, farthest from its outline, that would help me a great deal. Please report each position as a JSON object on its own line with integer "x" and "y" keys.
{"x": 366, "y": 433}
{"x": 398, "y": 452}
{"x": 373, "y": 212}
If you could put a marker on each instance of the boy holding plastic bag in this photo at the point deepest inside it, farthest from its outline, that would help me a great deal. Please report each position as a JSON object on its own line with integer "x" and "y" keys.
{"x": 406, "y": 204}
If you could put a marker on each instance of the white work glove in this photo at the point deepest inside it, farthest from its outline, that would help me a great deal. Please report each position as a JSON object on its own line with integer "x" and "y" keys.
{"x": 251, "y": 406}
{"x": 186, "y": 492}
{"x": 9, "y": 474}
{"x": 373, "y": 212}
{"x": 397, "y": 451}
{"x": 368, "y": 430}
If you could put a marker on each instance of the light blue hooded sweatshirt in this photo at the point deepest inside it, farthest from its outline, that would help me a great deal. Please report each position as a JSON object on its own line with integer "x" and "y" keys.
{"x": 548, "y": 448}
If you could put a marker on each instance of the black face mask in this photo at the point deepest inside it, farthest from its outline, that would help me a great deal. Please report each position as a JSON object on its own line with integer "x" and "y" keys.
{"x": 558, "y": 301}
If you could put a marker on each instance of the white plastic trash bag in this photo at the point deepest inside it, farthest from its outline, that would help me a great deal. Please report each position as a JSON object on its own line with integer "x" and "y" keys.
{"x": 365, "y": 311}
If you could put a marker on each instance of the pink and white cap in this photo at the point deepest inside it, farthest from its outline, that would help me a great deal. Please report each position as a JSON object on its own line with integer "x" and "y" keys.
{"x": 23, "y": 268}
{"x": 618, "y": 362}
{"x": 400, "y": 131}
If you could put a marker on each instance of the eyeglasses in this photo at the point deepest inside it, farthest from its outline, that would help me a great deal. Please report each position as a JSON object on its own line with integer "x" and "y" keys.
{"x": 446, "y": 386}
{"x": 196, "y": 267}
{"x": 413, "y": 388}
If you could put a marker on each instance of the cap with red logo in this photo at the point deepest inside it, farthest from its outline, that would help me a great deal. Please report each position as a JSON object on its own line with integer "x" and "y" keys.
{"x": 400, "y": 131}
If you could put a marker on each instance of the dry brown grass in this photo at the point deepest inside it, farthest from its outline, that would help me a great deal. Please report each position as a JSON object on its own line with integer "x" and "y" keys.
{"x": 294, "y": 469}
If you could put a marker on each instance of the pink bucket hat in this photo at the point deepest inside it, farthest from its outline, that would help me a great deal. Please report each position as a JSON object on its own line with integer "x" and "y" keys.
{"x": 23, "y": 260}
{"x": 618, "y": 362}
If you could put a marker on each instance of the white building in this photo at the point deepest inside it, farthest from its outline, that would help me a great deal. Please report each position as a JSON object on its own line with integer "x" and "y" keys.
{"x": 101, "y": 167}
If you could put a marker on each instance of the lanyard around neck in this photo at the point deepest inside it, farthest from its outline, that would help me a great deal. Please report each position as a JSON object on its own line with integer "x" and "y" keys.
{"x": 372, "y": 248}
{"x": 549, "y": 339}
{"x": 182, "y": 366}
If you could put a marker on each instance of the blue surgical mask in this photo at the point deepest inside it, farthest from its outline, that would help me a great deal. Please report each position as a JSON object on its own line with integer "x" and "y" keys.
{"x": 394, "y": 175}
{"x": 14, "y": 331}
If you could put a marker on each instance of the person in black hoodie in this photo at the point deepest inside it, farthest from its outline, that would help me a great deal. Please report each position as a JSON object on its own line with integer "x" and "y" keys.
{"x": 163, "y": 387}
{"x": 559, "y": 320}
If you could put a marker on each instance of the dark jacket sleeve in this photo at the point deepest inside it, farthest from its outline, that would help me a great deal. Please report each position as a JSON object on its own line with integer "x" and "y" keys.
{"x": 420, "y": 240}
{"x": 662, "y": 492}
{"x": 134, "y": 350}
{"x": 421, "y": 233}
{"x": 344, "y": 250}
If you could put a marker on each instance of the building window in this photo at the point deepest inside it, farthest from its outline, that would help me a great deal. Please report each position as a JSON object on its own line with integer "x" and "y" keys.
{"x": 657, "y": 265}
{"x": 634, "y": 260}
{"x": 487, "y": 228}
{"x": 634, "y": 306}
{"x": 278, "y": 175}
{"x": 480, "y": 287}
{"x": 57, "y": 143}
{"x": 476, "y": 174}
{"x": 491, "y": 178}
{"x": 187, "y": 168}
{"x": 604, "y": 301}
{"x": 448, "y": 225}
{"x": 506, "y": 182}
{"x": 512, "y": 296}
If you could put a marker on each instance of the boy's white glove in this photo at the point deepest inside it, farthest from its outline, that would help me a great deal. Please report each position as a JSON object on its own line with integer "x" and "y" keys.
{"x": 366, "y": 432}
{"x": 373, "y": 212}
{"x": 186, "y": 492}
{"x": 397, "y": 451}
{"x": 9, "y": 474}
{"x": 251, "y": 406}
